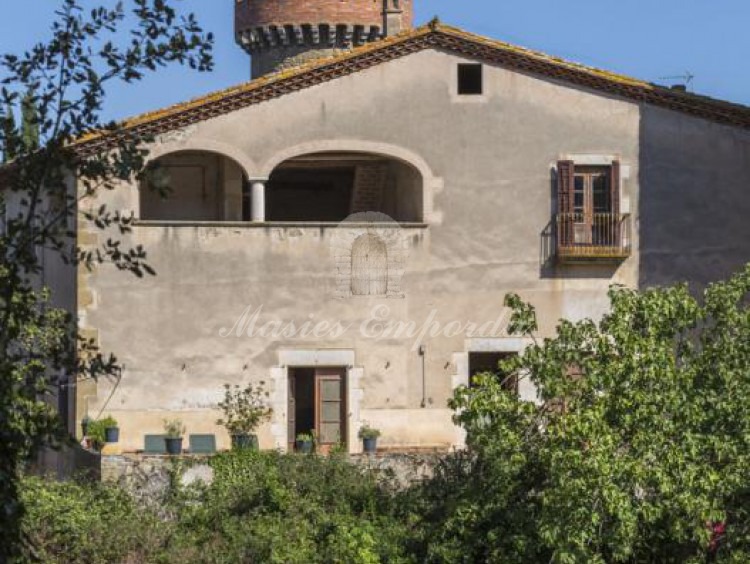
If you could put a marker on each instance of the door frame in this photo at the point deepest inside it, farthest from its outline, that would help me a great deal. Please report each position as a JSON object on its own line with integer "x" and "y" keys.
{"x": 319, "y": 374}
{"x": 312, "y": 358}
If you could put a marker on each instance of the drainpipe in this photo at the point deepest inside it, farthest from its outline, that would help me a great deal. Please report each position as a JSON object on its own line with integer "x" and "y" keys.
{"x": 422, "y": 351}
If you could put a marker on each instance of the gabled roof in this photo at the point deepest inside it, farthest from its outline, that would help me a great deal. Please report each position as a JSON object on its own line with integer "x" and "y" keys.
{"x": 431, "y": 36}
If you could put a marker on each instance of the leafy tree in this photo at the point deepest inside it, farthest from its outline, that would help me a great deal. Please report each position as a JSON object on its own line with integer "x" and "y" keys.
{"x": 29, "y": 123}
{"x": 60, "y": 87}
{"x": 638, "y": 449}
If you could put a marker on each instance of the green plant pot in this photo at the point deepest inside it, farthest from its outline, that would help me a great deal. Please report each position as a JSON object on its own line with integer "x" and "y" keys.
{"x": 370, "y": 445}
{"x": 305, "y": 447}
{"x": 174, "y": 445}
{"x": 243, "y": 441}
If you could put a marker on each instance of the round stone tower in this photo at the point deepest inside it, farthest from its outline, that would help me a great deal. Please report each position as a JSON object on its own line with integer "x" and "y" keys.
{"x": 279, "y": 34}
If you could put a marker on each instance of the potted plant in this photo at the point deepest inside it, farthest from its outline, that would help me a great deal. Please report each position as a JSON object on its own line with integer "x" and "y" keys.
{"x": 111, "y": 430}
{"x": 100, "y": 432}
{"x": 244, "y": 410}
{"x": 174, "y": 430}
{"x": 369, "y": 437}
{"x": 304, "y": 443}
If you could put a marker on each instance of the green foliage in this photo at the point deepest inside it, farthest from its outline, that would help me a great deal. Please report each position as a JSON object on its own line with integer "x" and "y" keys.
{"x": 29, "y": 123}
{"x": 305, "y": 437}
{"x": 261, "y": 507}
{"x": 244, "y": 408}
{"x": 269, "y": 507}
{"x": 639, "y": 445}
{"x": 59, "y": 87}
{"x": 174, "y": 428}
{"x": 85, "y": 522}
{"x": 367, "y": 432}
{"x": 96, "y": 431}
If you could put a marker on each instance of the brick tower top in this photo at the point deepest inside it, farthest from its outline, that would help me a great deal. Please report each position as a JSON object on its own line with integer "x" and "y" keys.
{"x": 283, "y": 33}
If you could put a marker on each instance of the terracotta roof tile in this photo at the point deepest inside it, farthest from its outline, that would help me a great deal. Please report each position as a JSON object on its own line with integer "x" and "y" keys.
{"x": 432, "y": 36}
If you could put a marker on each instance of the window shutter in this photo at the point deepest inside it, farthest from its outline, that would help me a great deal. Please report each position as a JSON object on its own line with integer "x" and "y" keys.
{"x": 565, "y": 181}
{"x": 614, "y": 187}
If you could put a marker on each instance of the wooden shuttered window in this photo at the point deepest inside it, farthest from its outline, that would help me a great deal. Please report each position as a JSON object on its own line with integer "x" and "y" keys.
{"x": 614, "y": 187}
{"x": 565, "y": 182}
{"x": 614, "y": 201}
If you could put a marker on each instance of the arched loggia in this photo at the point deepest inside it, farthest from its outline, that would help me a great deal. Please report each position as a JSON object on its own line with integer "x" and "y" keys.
{"x": 194, "y": 185}
{"x": 330, "y": 186}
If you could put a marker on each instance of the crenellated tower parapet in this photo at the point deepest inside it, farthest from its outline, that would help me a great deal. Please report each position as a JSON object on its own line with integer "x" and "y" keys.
{"x": 279, "y": 34}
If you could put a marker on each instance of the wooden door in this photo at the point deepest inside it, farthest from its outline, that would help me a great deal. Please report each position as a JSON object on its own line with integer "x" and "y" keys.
{"x": 330, "y": 407}
{"x": 591, "y": 204}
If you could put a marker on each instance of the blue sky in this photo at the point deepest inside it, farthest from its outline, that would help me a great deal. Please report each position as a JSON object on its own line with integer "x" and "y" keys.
{"x": 648, "y": 39}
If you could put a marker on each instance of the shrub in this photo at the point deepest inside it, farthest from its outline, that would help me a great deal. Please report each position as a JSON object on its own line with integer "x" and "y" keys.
{"x": 86, "y": 522}
{"x": 173, "y": 428}
{"x": 244, "y": 408}
{"x": 271, "y": 507}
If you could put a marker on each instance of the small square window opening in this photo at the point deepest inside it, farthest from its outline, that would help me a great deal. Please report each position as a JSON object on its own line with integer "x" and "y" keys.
{"x": 470, "y": 79}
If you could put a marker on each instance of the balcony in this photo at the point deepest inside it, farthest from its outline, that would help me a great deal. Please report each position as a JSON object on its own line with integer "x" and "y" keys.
{"x": 592, "y": 237}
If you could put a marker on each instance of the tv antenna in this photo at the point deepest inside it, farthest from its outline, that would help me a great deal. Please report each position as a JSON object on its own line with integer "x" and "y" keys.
{"x": 687, "y": 78}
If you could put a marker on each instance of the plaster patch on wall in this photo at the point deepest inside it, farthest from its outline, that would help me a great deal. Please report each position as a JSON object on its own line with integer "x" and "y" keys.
{"x": 381, "y": 228}
{"x": 177, "y": 135}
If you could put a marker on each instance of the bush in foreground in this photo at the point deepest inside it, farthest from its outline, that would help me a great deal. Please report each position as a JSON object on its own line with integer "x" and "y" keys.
{"x": 269, "y": 507}
{"x": 80, "y": 521}
{"x": 261, "y": 507}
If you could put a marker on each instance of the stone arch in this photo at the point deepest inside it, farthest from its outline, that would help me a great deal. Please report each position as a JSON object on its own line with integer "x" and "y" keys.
{"x": 177, "y": 143}
{"x": 431, "y": 184}
{"x": 392, "y": 249}
{"x": 193, "y": 184}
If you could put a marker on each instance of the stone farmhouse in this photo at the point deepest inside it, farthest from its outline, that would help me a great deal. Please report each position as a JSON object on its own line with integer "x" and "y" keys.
{"x": 345, "y": 225}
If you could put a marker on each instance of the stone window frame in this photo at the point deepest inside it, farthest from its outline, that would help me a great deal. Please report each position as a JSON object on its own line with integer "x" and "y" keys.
{"x": 604, "y": 160}
{"x": 457, "y": 98}
{"x": 526, "y": 390}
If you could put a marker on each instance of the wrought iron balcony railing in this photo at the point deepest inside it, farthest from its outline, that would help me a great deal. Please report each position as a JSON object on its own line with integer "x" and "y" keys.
{"x": 592, "y": 236}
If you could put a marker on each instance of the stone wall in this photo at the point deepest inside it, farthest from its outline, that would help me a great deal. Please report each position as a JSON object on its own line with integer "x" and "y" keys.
{"x": 257, "y": 13}
{"x": 486, "y": 197}
{"x": 149, "y": 478}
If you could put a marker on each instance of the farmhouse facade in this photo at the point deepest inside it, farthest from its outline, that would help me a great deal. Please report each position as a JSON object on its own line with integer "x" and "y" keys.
{"x": 345, "y": 226}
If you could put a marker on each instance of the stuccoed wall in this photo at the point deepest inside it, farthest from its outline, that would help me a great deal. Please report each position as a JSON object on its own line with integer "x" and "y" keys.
{"x": 487, "y": 164}
{"x": 695, "y": 207}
